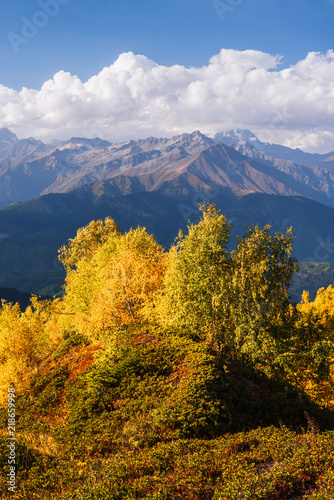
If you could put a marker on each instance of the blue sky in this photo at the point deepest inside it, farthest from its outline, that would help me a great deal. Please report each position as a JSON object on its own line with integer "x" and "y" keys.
{"x": 85, "y": 36}
{"x": 231, "y": 57}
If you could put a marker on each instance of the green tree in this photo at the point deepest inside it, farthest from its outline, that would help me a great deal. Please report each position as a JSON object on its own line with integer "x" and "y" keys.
{"x": 237, "y": 301}
{"x": 262, "y": 274}
{"x": 197, "y": 279}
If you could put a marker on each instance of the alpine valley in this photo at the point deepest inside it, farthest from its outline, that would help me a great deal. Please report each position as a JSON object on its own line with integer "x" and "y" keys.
{"x": 48, "y": 191}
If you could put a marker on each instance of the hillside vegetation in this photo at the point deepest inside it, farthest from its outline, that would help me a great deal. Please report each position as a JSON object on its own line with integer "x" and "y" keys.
{"x": 164, "y": 375}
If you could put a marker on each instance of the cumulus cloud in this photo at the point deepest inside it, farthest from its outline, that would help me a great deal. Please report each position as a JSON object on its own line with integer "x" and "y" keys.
{"x": 136, "y": 97}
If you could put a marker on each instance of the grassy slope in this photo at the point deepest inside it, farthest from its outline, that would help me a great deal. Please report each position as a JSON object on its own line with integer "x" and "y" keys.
{"x": 38, "y": 282}
{"x": 160, "y": 420}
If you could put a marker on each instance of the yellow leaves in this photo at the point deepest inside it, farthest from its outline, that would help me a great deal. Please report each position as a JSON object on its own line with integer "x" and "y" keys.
{"x": 317, "y": 319}
{"x": 117, "y": 285}
{"x": 14, "y": 338}
{"x": 129, "y": 284}
{"x": 305, "y": 297}
{"x": 321, "y": 308}
{"x": 87, "y": 240}
{"x": 25, "y": 339}
{"x": 131, "y": 278}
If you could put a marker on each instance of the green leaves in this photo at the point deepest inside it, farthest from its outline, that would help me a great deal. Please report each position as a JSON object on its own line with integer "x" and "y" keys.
{"x": 262, "y": 273}
{"x": 196, "y": 280}
{"x": 237, "y": 302}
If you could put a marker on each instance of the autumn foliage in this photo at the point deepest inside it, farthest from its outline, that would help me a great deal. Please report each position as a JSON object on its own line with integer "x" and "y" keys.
{"x": 235, "y": 303}
{"x": 185, "y": 373}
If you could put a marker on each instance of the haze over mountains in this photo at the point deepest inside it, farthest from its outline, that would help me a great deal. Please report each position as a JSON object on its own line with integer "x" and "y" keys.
{"x": 238, "y": 138}
{"x": 29, "y": 168}
{"x": 47, "y": 191}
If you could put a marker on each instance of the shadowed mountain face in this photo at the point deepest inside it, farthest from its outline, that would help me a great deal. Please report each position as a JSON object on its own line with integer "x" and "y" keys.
{"x": 33, "y": 231}
{"x": 12, "y": 295}
{"x": 156, "y": 183}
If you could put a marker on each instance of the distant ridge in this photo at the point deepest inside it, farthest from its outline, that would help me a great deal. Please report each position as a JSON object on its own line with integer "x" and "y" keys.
{"x": 14, "y": 296}
{"x": 239, "y": 137}
{"x": 156, "y": 183}
{"x": 33, "y": 231}
{"x": 29, "y": 168}
{"x": 6, "y": 137}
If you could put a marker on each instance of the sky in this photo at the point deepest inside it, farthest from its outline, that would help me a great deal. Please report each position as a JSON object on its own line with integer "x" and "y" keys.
{"x": 128, "y": 69}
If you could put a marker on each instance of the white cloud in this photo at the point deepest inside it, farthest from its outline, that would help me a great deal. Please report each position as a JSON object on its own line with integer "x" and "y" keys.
{"x": 135, "y": 97}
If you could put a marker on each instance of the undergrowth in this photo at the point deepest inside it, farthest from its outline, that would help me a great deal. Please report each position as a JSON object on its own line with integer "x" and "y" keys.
{"x": 161, "y": 418}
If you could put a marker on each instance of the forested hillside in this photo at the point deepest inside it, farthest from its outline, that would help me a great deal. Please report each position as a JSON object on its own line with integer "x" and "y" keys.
{"x": 180, "y": 374}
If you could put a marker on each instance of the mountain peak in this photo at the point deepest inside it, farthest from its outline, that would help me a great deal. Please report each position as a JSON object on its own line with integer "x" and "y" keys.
{"x": 245, "y": 141}
{"x": 95, "y": 142}
{"x": 6, "y": 137}
{"x": 239, "y": 136}
{"x": 197, "y": 133}
{"x": 195, "y": 137}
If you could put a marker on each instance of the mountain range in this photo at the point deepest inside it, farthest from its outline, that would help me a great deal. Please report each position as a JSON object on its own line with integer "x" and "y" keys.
{"x": 47, "y": 191}
{"x": 29, "y": 168}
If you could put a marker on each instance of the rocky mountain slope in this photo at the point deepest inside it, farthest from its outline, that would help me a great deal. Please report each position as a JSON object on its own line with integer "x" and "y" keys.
{"x": 29, "y": 168}
{"x": 246, "y": 137}
{"x": 156, "y": 183}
